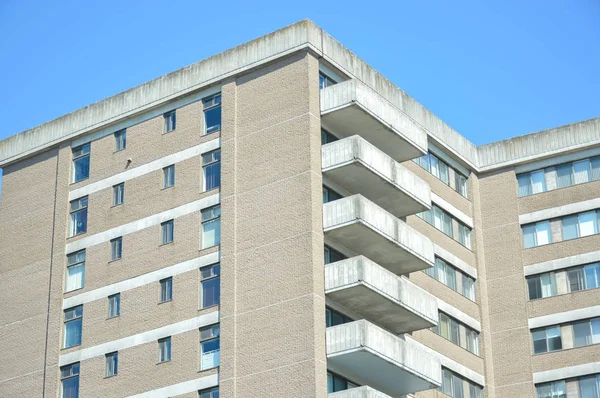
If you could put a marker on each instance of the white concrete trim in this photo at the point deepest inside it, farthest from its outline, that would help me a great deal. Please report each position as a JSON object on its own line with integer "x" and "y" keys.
{"x": 444, "y": 205}
{"x": 459, "y": 315}
{"x": 562, "y": 263}
{"x": 554, "y": 212}
{"x": 566, "y": 373}
{"x": 451, "y": 162}
{"x": 146, "y": 168}
{"x": 141, "y": 338}
{"x": 449, "y": 363}
{"x": 162, "y": 109}
{"x": 564, "y": 317}
{"x": 455, "y": 261}
{"x": 186, "y": 387}
{"x": 557, "y": 160}
{"x": 147, "y": 222}
{"x": 141, "y": 280}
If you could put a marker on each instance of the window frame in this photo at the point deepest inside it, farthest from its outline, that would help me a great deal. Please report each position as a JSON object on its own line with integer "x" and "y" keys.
{"x": 112, "y": 364}
{"x": 166, "y": 290}
{"x": 209, "y": 104}
{"x": 72, "y": 374}
{"x": 543, "y": 336}
{"x": 83, "y": 205}
{"x": 114, "y": 305}
{"x": 212, "y": 218}
{"x": 208, "y": 164}
{"x": 170, "y": 123}
{"x": 325, "y": 80}
{"x": 120, "y": 140}
{"x": 116, "y": 249}
{"x": 168, "y": 174}
{"x": 118, "y": 194}
{"x": 77, "y": 158}
{"x": 76, "y": 318}
{"x": 210, "y": 391}
{"x": 164, "y": 349}
{"x": 332, "y": 314}
{"x": 213, "y": 334}
{"x": 214, "y": 274}
{"x": 167, "y": 232}
{"x": 78, "y": 261}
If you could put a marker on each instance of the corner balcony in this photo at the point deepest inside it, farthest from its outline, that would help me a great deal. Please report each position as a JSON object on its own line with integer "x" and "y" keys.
{"x": 376, "y": 294}
{"x": 359, "y": 167}
{"x": 358, "y": 392}
{"x": 362, "y": 351}
{"x": 366, "y": 229}
{"x": 349, "y": 108}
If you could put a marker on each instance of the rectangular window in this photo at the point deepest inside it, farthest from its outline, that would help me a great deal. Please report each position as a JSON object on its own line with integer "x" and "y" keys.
{"x": 581, "y": 171}
{"x": 587, "y": 223}
{"x": 212, "y": 114}
{"x": 475, "y": 391}
{"x": 576, "y": 279}
{"x": 582, "y": 333}
{"x": 72, "y": 326}
{"x": 524, "y": 181}
{"x": 595, "y": 166}
{"x": 167, "y": 230}
{"x": 81, "y": 162}
{"x": 334, "y": 318}
{"x": 118, "y": 194}
{"x": 461, "y": 184}
{"x": 211, "y": 226}
{"x": 69, "y": 381}
{"x": 564, "y": 175}
{"x": 210, "y": 285}
{"x": 325, "y": 81}
{"x": 166, "y": 290}
{"x": 329, "y": 195}
{"x": 112, "y": 364}
{"x": 570, "y": 228}
{"x": 78, "y": 216}
{"x": 168, "y": 176}
{"x": 592, "y": 275}
{"x": 209, "y": 347}
{"x": 538, "y": 182}
{"x": 331, "y": 255}
{"x": 448, "y": 328}
{"x": 75, "y": 275}
{"x": 468, "y": 287}
{"x": 116, "y": 248}
{"x": 114, "y": 305}
{"x": 211, "y": 170}
{"x": 472, "y": 341}
{"x": 164, "y": 349}
{"x": 588, "y": 387}
{"x": 120, "y": 140}
{"x": 536, "y": 234}
{"x": 327, "y": 137}
{"x": 464, "y": 235}
{"x": 209, "y": 393}
{"x": 337, "y": 383}
{"x": 555, "y": 389}
{"x": 170, "y": 121}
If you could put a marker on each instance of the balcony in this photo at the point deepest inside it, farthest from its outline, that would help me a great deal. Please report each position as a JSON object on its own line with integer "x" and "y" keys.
{"x": 366, "y": 353}
{"x": 359, "y": 167}
{"x": 349, "y": 108}
{"x": 366, "y": 229}
{"x": 358, "y": 392}
{"x": 376, "y": 294}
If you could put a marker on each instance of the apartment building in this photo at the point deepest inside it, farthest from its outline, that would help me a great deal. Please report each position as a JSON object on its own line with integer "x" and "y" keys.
{"x": 279, "y": 220}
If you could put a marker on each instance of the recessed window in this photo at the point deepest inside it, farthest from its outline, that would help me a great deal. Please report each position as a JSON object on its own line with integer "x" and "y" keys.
{"x": 78, "y": 216}
{"x": 464, "y": 235}
{"x": 69, "y": 381}
{"x": 116, "y": 248}
{"x": 327, "y": 137}
{"x": 72, "y": 326}
{"x": 212, "y": 114}
{"x": 211, "y": 170}
{"x": 329, "y": 195}
{"x": 453, "y": 384}
{"x": 209, "y": 347}
{"x": 169, "y": 176}
{"x": 75, "y": 274}
{"x": 170, "y": 121}
{"x": 453, "y": 330}
{"x": 546, "y": 339}
{"x": 166, "y": 232}
{"x": 332, "y": 255}
{"x": 114, "y": 305}
{"x": 210, "y": 285}
{"x": 211, "y": 227}
{"x": 536, "y": 234}
{"x": 555, "y": 389}
{"x": 337, "y": 383}
{"x": 81, "y": 162}
{"x": 441, "y": 170}
{"x": 325, "y": 81}
{"x": 164, "y": 349}
{"x": 561, "y": 176}
{"x": 334, "y": 318}
{"x": 112, "y": 364}
{"x": 120, "y": 140}
{"x": 118, "y": 194}
{"x": 209, "y": 393}
{"x": 166, "y": 290}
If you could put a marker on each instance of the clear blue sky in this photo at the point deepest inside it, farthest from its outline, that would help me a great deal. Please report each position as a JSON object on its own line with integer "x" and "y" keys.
{"x": 491, "y": 70}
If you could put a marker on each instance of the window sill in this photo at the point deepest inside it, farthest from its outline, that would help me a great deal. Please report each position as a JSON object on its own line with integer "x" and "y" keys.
{"x": 68, "y": 348}
{"x": 115, "y": 260}
{"x": 78, "y": 181}
{"x": 117, "y": 205}
{"x": 169, "y": 187}
{"x": 74, "y": 290}
{"x": 169, "y": 132}
{"x": 163, "y": 362}
{"x": 208, "y": 307}
{"x": 78, "y": 234}
{"x": 211, "y": 133}
{"x": 167, "y": 244}
{"x": 119, "y": 150}
{"x": 205, "y": 370}
{"x": 113, "y": 317}
{"x": 111, "y": 376}
{"x": 164, "y": 302}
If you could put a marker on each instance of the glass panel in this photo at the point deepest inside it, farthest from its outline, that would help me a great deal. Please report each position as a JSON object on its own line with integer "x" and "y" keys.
{"x": 539, "y": 341}
{"x": 444, "y": 326}
{"x": 211, "y": 233}
{"x": 458, "y": 387}
{"x": 595, "y": 165}
{"x": 444, "y": 173}
{"x": 454, "y": 332}
{"x": 544, "y": 391}
{"x": 210, "y": 354}
{"x": 538, "y": 181}
{"x": 524, "y": 181}
{"x": 548, "y": 285}
{"x": 433, "y": 161}
{"x": 447, "y": 382}
{"x": 329, "y": 382}
{"x": 570, "y": 227}
{"x": 581, "y": 171}
{"x": 75, "y": 277}
{"x": 564, "y": 175}
{"x": 528, "y": 236}
{"x": 587, "y": 223}
{"x": 554, "y": 338}
{"x": 588, "y": 387}
{"x": 447, "y": 225}
{"x": 212, "y": 119}
{"x": 535, "y": 287}
{"x": 81, "y": 168}
{"x": 576, "y": 279}
{"x": 212, "y": 176}
{"x": 461, "y": 184}
{"x": 70, "y": 387}
{"x": 559, "y": 389}
{"x": 451, "y": 277}
{"x": 542, "y": 234}
{"x": 211, "y": 292}
{"x": 592, "y": 275}
{"x": 437, "y": 218}
{"x": 582, "y": 333}
{"x": 595, "y": 324}
{"x": 72, "y": 333}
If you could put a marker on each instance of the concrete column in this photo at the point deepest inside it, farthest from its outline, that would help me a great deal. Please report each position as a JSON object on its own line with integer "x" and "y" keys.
{"x": 452, "y": 177}
{"x": 562, "y": 285}
{"x": 556, "y": 230}
{"x": 550, "y": 178}
{"x": 566, "y": 335}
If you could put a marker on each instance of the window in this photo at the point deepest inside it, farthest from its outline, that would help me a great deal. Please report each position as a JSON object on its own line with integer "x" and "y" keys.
{"x": 468, "y": 287}
{"x": 567, "y": 174}
{"x": 546, "y": 339}
{"x": 531, "y": 183}
{"x": 588, "y": 387}
{"x": 334, "y": 318}
{"x": 170, "y": 121}
{"x": 475, "y": 391}
{"x": 464, "y": 235}
{"x": 211, "y": 170}
{"x": 472, "y": 341}
{"x": 212, "y": 114}
{"x": 209, "y": 347}
{"x": 69, "y": 381}
{"x": 576, "y": 278}
{"x": 439, "y": 219}
{"x": 112, "y": 364}
{"x": 169, "y": 176}
{"x": 461, "y": 185}
{"x": 209, "y": 393}
{"x": 555, "y": 389}
{"x": 325, "y": 81}
{"x": 579, "y": 225}
{"x": 81, "y": 162}
{"x": 337, "y": 383}
{"x": 452, "y": 384}
{"x": 116, "y": 248}
{"x": 114, "y": 305}
{"x": 331, "y": 255}
{"x": 329, "y": 195}
{"x": 120, "y": 140}
{"x": 592, "y": 275}
{"x": 211, "y": 226}
{"x": 327, "y": 137}
{"x": 78, "y": 216}
{"x": 536, "y": 234}
{"x": 166, "y": 232}
{"x": 118, "y": 194}
{"x": 448, "y": 328}
{"x": 440, "y": 169}
{"x": 166, "y": 290}
{"x": 443, "y": 272}
{"x": 72, "y": 326}
{"x": 582, "y": 333}
{"x": 164, "y": 349}
{"x": 541, "y": 286}
{"x": 75, "y": 271}
{"x": 210, "y": 285}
